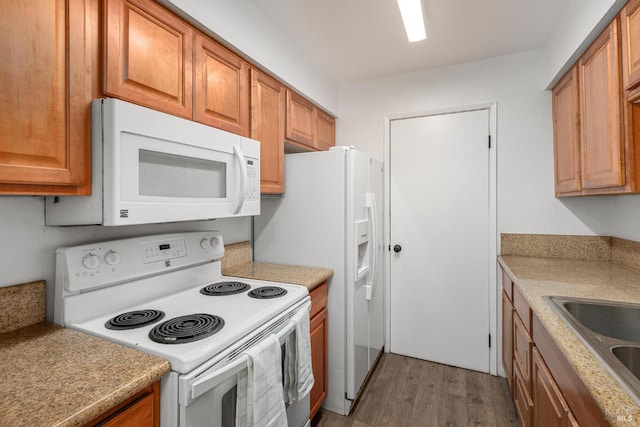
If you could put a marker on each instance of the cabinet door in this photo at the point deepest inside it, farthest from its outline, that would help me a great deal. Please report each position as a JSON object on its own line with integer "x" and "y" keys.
{"x": 507, "y": 338}
{"x": 140, "y": 410}
{"x": 549, "y": 407}
{"x": 221, "y": 87}
{"x": 600, "y": 122}
{"x": 300, "y": 119}
{"x": 566, "y": 133}
{"x": 522, "y": 345}
{"x": 318, "y": 331}
{"x": 630, "y": 16}
{"x": 148, "y": 56}
{"x": 325, "y": 132}
{"x": 139, "y": 414}
{"x": 522, "y": 398}
{"x": 45, "y": 96}
{"x": 267, "y": 126}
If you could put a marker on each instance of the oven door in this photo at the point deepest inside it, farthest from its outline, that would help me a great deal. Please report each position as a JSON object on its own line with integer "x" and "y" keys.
{"x": 208, "y": 399}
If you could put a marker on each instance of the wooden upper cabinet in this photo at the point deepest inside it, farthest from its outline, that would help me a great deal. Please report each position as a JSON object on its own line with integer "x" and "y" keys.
{"x": 300, "y": 119}
{"x": 148, "y": 56}
{"x": 601, "y": 136}
{"x": 566, "y": 133}
{"x": 267, "y": 126}
{"x": 221, "y": 87}
{"x": 46, "y": 70}
{"x": 630, "y": 22}
{"x": 325, "y": 131}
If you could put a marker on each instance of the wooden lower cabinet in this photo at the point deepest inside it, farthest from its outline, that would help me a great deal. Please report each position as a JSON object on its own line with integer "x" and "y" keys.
{"x": 507, "y": 338}
{"x": 538, "y": 367}
{"x": 318, "y": 332}
{"x": 140, "y": 410}
{"x": 549, "y": 407}
{"x": 522, "y": 398}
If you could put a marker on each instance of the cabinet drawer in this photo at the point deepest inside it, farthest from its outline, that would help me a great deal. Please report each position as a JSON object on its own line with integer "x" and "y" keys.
{"x": 522, "y": 345}
{"x": 318, "y": 299}
{"x": 521, "y": 306}
{"x": 507, "y": 285}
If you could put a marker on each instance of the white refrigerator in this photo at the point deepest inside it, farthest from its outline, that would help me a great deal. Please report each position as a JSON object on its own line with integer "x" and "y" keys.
{"x": 330, "y": 216}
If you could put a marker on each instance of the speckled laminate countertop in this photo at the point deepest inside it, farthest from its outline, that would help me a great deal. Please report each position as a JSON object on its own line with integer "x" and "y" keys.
{"x": 54, "y": 376}
{"x": 537, "y": 277}
{"x": 310, "y": 277}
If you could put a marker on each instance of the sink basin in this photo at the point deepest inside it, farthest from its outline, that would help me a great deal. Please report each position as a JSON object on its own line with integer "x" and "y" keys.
{"x": 629, "y": 356}
{"x": 611, "y": 331}
{"x": 621, "y": 321}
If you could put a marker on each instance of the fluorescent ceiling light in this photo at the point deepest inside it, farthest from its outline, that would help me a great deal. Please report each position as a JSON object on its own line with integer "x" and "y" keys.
{"x": 411, "y": 11}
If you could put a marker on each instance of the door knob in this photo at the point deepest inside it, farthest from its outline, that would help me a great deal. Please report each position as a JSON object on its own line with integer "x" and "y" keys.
{"x": 397, "y": 248}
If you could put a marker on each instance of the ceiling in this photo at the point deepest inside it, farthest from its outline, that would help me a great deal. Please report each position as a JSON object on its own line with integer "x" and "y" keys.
{"x": 355, "y": 40}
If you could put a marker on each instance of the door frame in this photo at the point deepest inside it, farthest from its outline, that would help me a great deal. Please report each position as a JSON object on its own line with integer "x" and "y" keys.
{"x": 492, "y": 296}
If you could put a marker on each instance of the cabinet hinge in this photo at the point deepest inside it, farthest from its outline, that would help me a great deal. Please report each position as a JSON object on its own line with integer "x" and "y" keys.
{"x": 489, "y": 141}
{"x": 489, "y": 340}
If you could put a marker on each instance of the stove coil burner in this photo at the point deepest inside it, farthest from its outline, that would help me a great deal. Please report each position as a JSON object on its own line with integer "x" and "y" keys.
{"x": 134, "y": 319}
{"x": 267, "y": 292}
{"x": 185, "y": 329}
{"x": 224, "y": 288}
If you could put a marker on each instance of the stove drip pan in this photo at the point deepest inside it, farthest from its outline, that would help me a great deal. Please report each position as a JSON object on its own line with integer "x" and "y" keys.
{"x": 185, "y": 329}
{"x": 267, "y": 292}
{"x": 224, "y": 288}
{"x": 134, "y": 319}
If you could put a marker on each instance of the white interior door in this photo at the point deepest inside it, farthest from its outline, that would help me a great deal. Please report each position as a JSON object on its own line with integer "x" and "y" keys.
{"x": 439, "y": 220}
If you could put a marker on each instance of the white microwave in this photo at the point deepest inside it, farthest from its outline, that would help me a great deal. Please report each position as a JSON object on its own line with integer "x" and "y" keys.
{"x": 151, "y": 167}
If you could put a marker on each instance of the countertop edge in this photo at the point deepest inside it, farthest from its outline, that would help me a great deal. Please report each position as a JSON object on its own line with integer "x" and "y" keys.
{"x": 309, "y": 277}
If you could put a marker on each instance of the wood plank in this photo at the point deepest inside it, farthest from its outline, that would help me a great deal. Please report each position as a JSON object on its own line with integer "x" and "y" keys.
{"x": 404, "y": 391}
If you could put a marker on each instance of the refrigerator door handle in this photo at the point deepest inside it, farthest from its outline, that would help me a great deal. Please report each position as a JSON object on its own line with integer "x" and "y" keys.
{"x": 373, "y": 248}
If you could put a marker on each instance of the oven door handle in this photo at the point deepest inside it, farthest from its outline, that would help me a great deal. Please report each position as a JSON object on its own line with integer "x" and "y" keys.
{"x": 210, "y": 381}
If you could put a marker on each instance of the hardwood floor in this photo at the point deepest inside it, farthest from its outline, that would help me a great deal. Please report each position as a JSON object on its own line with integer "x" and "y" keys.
{"x": 407, "y": 392}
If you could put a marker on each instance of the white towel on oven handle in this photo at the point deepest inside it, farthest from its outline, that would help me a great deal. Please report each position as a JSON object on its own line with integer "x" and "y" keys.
{"x": 260, "y": 400}
{"x": 300, "y": 358}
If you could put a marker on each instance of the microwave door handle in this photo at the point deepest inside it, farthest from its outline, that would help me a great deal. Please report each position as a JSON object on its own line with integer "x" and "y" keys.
{"x": 242, "y": 193}
{"x": 210, "y": 381}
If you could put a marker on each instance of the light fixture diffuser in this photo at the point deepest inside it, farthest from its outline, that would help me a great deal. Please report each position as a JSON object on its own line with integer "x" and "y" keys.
{"x": 411, "y": 12}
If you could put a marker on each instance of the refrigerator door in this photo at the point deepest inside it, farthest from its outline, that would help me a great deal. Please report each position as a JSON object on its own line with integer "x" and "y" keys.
{"x": 376, "y": 277}
{"x": 359, "y": 249}
{"x": 306, "y": 226}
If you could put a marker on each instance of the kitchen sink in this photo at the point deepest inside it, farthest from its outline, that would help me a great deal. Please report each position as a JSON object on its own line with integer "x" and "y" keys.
{"x": 609, "y": 319}
{"x": 611, "y": 331}
{"x": 629, "y": 356}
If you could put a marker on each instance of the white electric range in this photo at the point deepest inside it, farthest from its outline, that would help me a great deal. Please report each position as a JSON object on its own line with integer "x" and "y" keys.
{"x": 166, "y": 295}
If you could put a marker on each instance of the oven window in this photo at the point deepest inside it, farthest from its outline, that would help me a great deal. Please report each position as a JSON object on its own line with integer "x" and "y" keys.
{"x": 229, "y": 407}
{"x": 171, "y": 175}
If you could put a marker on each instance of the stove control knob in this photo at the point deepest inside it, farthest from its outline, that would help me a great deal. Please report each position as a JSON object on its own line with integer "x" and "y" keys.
{"x": 112, "y": 258}
{"x": 91, "y": 260}
{"x": 215, "y": 241}
{"x": 204, "y": 243}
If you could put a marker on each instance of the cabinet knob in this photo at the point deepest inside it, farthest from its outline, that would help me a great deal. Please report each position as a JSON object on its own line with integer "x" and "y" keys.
{"x": 397, "y": 248}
